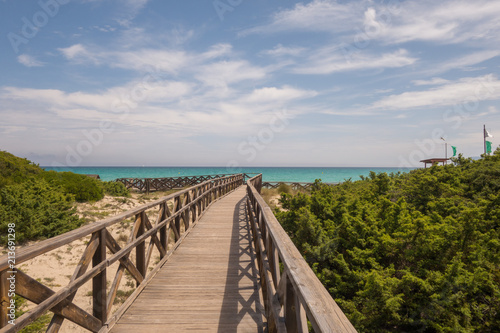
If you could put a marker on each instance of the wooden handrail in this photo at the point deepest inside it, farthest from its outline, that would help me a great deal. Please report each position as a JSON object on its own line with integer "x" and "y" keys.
{"x": 293, "y": 295}
{"x": 189, "y": 205}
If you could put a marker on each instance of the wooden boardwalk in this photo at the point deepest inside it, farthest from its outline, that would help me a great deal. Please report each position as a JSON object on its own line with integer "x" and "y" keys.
{"x": 210, "y": 284}
{"x": 230, "y": 253}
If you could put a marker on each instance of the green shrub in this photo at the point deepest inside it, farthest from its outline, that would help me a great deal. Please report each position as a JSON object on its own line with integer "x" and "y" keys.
{"x": 284, "y": 188}
{"x": 38, "y": 209}
{"x": 14, "y": 170}
{"x": 413, "y": 252}
{"x": 83, "y": 188}
{"x": 40, "y": 203}
{"x": 115, "y": 189}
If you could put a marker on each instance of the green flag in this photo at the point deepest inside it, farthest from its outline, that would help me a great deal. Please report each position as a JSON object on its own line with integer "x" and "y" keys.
{"x": 454, "y": 150}
{"x": 488, "y": 147}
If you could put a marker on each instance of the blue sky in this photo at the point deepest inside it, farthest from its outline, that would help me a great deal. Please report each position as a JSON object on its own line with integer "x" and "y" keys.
{"x": 247, "y": 83}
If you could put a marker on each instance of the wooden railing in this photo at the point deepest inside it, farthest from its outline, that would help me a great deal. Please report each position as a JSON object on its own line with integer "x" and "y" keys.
{"x": 298, "y": 186}
{"x": 292, "y": 293}
{"x": 167, "y": 183}
{"x": 175, "y": 223}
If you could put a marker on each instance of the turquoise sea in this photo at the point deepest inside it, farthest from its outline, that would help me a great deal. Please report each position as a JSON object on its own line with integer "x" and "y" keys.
{"x": 270, "y": 174}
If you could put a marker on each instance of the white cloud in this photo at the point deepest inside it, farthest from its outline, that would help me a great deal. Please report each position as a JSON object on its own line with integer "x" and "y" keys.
{"x": 106, "y": 28}
{"x": 217, "y": 50}
{"x": 465, "y": 90}
{"x": 383, "y": 91}
{"x": 348, "y": 112}
{"x": 148, "y": 60}
{"x": 407, "y": 27}
{"x": 280, "y": 50}
{"x": 491, "y": 111}
{"x": 432, "y": 82}
{"x": 135, "y": 5}
{"x": 79, "y": 54}
{"x": 73, "y": 51}
{"x": 166, "y": 91}
{"x": 144, "y": 60}
{"x": 129, "y": 10}
{"x": 207, "y": 98}
{"x": 43, "y": 95}
{"x": 29, "y": 61}
{"x": 126, "y": 11}
{"x": 318, "y": 15}
{"x": 193, "y": 108}
{"x": 449, "y": 21}
{"x": 7, "y": 129}
{"x": 331, "y": 59}
{"x": 150, "y": 90}
{"x": 462, "y": 62}
{"x": 393, "y": 22}
{"x": 137, "y": 37}
{"x": 465, "y": 61}
{"x": 220, "y": 74}
{"x": 273, "y": 94}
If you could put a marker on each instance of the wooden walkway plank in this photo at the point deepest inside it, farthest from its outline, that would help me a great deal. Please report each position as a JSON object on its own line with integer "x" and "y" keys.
{"x": 210, "y": 284}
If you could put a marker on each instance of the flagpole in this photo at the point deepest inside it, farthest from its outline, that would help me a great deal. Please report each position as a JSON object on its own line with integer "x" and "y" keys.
{"x": 484, "y": 138}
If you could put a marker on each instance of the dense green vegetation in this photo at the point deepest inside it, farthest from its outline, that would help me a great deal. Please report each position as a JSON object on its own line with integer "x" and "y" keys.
{"x": 14, "y": 170}
{"x": 82, "y": 187}
{"x": 38, "y": 210}
{"x": 41, "y": 203}
{"x": 412, "y": 252}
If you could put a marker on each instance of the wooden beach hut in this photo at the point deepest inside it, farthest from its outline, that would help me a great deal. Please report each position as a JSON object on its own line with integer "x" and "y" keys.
{"x": 431, "y": 161}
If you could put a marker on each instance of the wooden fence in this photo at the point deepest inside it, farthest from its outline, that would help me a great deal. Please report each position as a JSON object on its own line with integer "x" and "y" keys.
{"x": 164, "y": 184}
{"x": 176, "y": 223}
{"x": 300, "y": 186}
{"x": 292, "y": 293}
{"x": 168, "y": 183}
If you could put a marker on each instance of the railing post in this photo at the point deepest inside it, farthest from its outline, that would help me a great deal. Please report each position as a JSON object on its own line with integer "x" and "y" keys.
{"x": 263, "y": 227}
{"x": 99, "y": 306}
{"x": 203, "y": 189}
{"x": 213, "y": 194}
{"x": 177, "y": 207}
{"x": 300, "y": 313}
{"x": 163, "y": 230}
{"x": 187, "y": 211}
{"x": 273, "y": 258}
{"x": 295, "y": 317}
{"x": 204, "y": 200}
{"x": 194, "y": 207}
{"x": 4, "y": 298}
{"x": 140, "y": 250}
{"x": 201, "y": 204}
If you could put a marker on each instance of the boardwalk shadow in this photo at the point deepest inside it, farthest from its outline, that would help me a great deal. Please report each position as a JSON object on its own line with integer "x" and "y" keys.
{"x": 242, "y": 308}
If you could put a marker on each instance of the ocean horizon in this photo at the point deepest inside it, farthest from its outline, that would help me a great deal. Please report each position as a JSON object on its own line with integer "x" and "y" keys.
{"x": 269, "y": 174}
